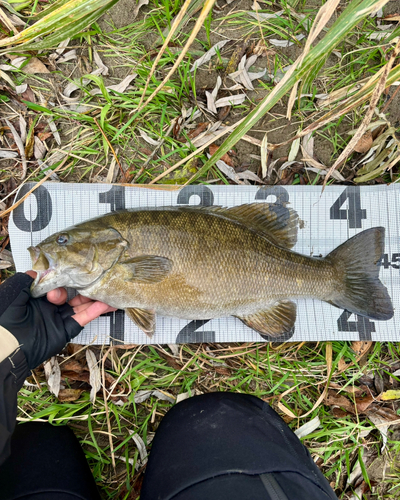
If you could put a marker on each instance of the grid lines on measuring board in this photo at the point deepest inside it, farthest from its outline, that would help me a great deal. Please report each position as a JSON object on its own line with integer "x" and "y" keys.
{"x": 326, "y": 221}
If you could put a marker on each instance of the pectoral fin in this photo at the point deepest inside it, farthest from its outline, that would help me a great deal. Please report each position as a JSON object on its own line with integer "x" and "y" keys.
{"x": 146, "y": 268}
{"x": 274, "y": 321}
{"x": 144, "y": 319}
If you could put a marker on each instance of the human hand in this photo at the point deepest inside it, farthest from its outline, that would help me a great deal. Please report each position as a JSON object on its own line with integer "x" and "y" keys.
{"x": 43, "y": 326}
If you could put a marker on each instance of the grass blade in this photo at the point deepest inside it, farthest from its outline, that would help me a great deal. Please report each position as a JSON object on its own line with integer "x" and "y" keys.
{"x": 351, "y": 16}
{"x": 66, "y": 20}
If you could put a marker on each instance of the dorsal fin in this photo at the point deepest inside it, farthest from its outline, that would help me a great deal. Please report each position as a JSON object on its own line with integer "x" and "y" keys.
{"x": 278, "y": 223}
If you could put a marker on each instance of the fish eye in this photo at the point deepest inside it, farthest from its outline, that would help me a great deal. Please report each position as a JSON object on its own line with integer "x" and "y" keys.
{"x": 62, "y": 239}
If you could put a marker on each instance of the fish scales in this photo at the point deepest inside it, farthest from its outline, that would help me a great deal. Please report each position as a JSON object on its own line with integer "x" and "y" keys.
{"x": 224, "y": 266}
{"x": 203, "y": 263}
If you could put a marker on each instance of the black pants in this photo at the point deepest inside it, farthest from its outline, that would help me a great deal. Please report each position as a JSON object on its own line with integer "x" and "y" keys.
{"x": 218, "y": 446}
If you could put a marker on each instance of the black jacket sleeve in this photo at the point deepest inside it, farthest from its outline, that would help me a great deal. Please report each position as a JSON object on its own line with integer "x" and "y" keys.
{"x": 13, "y": 371}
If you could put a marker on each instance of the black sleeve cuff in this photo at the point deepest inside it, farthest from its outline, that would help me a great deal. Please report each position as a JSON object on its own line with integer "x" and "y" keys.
{"x": 13, "y": 371}
{"x": 11, "y": 288}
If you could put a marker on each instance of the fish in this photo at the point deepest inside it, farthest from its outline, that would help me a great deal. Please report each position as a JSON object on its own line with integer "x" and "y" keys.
{"x": 210, "y": 262}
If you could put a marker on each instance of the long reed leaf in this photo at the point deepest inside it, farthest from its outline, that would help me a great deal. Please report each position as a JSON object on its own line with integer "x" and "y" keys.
{"x": 351, "y": 16}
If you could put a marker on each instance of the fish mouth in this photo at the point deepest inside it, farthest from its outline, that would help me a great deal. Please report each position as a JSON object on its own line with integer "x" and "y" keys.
{"x": 44, "y": 265}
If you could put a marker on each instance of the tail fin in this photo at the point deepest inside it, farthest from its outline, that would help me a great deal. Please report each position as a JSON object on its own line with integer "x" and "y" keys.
{"x": 358, "y": 288}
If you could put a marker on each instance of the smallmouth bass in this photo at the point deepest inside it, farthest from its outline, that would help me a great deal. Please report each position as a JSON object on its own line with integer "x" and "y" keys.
{"x": 209, "y": 262}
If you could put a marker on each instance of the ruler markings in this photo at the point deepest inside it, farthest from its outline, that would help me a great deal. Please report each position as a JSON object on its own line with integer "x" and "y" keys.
{"x": 328, "y": 222}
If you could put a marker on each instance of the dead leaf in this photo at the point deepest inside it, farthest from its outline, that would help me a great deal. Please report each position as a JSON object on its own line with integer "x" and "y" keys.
{"x": 232, "y": 100}
{"x": 28, "y": 95}
{"x": 148, "y": 139}
{"x": 308, "y": 427}
{"x": 392, "y": 17}
{"x": 360, "y": 405}
{"x": 95, "y": 376}
{"x": 39, "y": 149}
{"x": 53, "y": 375}
{"x": 8, "y": 154}
{"x": 29, "y": 146}
{"x": 170, "y": 361}
{"x": 34, "y": 67}
{"x": 209, "y": 54}
{"x": 363, "y": 403}
{"x": 68, "y": 56}
{"x": 364, "y": 144}
{"x": 73, "y": 365}
{"x": 69, "y": 395}
{"x": 137, "y": 8}
{"x": 285, "y": 43}
{"x": 141, "y": 396}
{"x": 201, "y": 127}
{"x": 21, "y": 148}
{"x": 243, "y": 76}
{"x": 361, "y": 347}
{"x": 383, "y": 427}
{"x": 164, "y": 396}
{"x": 53, "y": 128}
{"x": 286, "y": 410}
{"x": 224, "y": 112}
{"x": 264, "y": 155}
{"x": 389, "y": 395}
{"x": 140, "y": 445}
{"x": 100, "y": 63}
{"x": 6, "y": 258}
{"x": 226, "y": 158}
{"x": 44, "y": 135}
{"x": 120, "y": 87}
{"x": 264, "y": 16}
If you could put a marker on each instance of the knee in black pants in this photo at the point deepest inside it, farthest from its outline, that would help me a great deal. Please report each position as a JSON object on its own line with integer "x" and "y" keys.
{"x": 222, "y": 446}
{"x": 46, "y": 463}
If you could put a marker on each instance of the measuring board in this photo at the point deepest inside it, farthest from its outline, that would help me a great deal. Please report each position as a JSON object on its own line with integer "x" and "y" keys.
{"x": 328, "y": 219}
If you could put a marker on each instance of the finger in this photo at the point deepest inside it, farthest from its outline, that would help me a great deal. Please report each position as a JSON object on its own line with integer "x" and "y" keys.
{"x": 92, "y": 312}
{"x": 78, "y": 300}
{"x": 31, "y": 273}
{"x": 57, "y": 296}
{"x": 82, "y": 307}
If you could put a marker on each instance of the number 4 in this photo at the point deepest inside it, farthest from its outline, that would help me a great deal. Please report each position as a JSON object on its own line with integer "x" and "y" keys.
{"x": 354, "y": 214}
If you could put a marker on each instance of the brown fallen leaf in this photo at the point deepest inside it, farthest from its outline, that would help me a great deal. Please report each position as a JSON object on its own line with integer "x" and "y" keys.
{"x": 363, "y": 403}
{"x": 201, "y": 127}
{"x": 44, "y": 135}
{"x": 222, "y": 370}
{"x": 69, "y": 394}
{"x": 392, "y": 17}
{"x": 170, "y": 360}
{"x": 77, "y": 350}
{"x": 73, "y": 365}
{"x": 226, "y": 158}
{"x": 357, "y": 391}
{"x": 361, "y": 347}
{"x": 28, "y": 95}
{"x": 223, "y": 113}
{"x": 364, "y": 143}
{"x": 34, "y": 67}
{"x": 79, "y": 377}
{"x": 360, "y": 405}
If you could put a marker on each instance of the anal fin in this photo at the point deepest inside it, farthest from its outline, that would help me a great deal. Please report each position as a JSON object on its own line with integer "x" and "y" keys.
{"x": 144, "y": 319}
{"x": 273, "y": 321}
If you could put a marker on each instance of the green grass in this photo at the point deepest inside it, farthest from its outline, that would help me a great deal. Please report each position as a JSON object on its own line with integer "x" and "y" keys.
{"x": 299, "y": 371}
